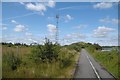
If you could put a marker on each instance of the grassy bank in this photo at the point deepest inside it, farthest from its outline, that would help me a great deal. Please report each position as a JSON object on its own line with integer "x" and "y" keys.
{"x": 26, "y": 62}
{"x": 108, "y": 59}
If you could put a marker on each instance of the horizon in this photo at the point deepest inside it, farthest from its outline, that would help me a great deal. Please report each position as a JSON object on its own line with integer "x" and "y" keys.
{"x": 54, "y": 43}
{"x": 93, "y": 22}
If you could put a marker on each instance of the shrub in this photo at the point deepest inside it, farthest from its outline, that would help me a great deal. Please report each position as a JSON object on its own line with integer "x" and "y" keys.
{"x": 11, "y": 60}
{"x": 74, "y": 46}
{"x": 66, "y": 57}
{"x": 65, "y": 62}
{"x": 48, "y": 52}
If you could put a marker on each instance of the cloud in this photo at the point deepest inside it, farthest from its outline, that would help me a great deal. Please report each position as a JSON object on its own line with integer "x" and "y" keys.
{"x": 75, "y": 36}
{"x": 112, "y": 40}
{"x": 109, "y": 20}
{"x": 3, "y": 27}
{"x": 78, "y": 35}
{"x": 19, "y": 28}
{"x": 103, "y": 5}
{"x": 32, "y": 40}
{"x": 102, "y": 32}
{"x": 14, "y": 38}
{"x": 68, "y": 18}
{"x": 51, "y": 28}
{"x": 39, "y": 7}
{"x": 36, "y": 7}
{"x": 51, "y": 3}
{"x": 52, "y": 19}
{"x": 81, "y": 26}
{"x": 28, "y": 34}
{"x": 13, "y": 21}
{"x": 22, "y": 3}
{"x": 115, "y": 21}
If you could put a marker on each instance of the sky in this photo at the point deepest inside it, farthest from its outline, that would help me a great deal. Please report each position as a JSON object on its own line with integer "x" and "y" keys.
{"x": 29, "y": 22}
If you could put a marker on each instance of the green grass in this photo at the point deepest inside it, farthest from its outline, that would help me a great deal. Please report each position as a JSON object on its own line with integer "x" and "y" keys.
{"x": 29, "y": 69}
{"x": 108, "y": 59}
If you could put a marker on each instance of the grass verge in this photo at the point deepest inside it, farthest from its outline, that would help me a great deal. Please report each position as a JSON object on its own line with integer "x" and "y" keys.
{"x": 108, "y": 59}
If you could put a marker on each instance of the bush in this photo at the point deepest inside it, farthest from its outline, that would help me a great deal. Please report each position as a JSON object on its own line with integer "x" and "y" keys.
{"x": 74, "y": 46}
{"x": 11, "y": 60}
{"x": 48, "y": 52}
{"x": 66, "y": 57}
{"x": 65, "y": 62}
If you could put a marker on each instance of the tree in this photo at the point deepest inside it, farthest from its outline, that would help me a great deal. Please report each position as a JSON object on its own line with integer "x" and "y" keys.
{"x": 47, "y": 52}
{"x": 97, "y": 46}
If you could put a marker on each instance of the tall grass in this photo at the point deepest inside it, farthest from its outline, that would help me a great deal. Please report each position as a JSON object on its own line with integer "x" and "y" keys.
{"x": 42, "y": 61}
{"x": 108, "y": 59}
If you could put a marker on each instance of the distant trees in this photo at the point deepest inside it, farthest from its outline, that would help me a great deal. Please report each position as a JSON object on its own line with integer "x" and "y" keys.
{"x": 97, "y": 46}
{"x": 8, "y": 44}
{"x": 79, "y": 45}
{"x": 74, "y": 46}
{"x": 15, "y": 44}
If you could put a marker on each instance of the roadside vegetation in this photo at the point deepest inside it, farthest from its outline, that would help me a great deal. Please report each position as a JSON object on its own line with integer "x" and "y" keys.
{"x": 108, "y": 59}
{"x": 52, "y": 60}
{"x": 38, "y": 61}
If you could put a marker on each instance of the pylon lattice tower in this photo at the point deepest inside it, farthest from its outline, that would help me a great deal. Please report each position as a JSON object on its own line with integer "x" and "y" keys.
{"x": 57, "y": 31}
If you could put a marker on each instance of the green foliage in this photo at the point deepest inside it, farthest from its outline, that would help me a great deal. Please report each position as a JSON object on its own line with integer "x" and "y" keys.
{"x": 42, "y": 62}
{"x": 74, "y": 46}
{"x": 109, "y": 59}
{"x": 79, "y": 45}
{"x": 48, "y": 52}
{"x": 11, "y": 60}
{"x": 93, "y": 47}
{"x": 65, "y": 62}
{"x": 97, "y": 46}
{"x": 66, "y": 57}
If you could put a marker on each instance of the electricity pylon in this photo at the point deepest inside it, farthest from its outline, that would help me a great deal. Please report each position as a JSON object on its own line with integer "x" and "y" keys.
{"x": 57, "y": 31}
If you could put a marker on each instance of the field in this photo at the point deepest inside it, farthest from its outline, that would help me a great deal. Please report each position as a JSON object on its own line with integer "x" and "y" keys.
{"x": 18, "y": 62}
